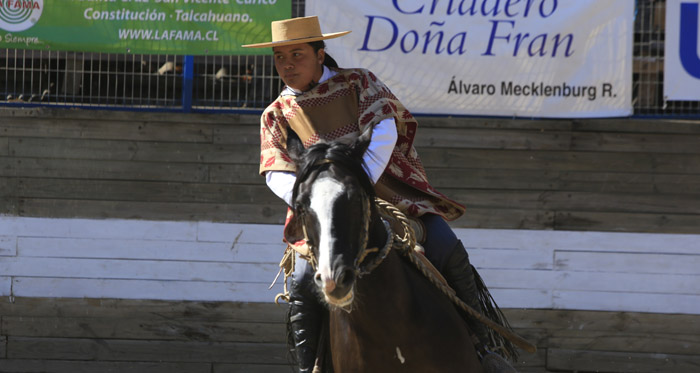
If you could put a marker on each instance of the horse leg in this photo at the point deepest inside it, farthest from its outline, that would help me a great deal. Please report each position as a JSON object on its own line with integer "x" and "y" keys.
{"x": 304, "y": 316}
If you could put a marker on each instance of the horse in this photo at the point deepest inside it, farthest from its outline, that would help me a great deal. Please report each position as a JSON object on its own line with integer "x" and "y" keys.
{"x": 383, "y": 314}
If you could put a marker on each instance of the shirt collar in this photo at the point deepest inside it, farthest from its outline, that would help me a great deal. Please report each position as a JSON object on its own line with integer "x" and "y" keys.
{"x": 327, "y": 74}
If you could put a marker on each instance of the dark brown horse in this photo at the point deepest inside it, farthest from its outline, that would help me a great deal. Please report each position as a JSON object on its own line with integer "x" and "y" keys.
{"x": 389, "y": 318}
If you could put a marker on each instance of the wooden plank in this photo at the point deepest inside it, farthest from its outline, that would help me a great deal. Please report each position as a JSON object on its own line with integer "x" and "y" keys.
{"x": 631, "y": 322}
{"x": 608, "y": 340}
{"x": 537, "y": 261}
{"x": 9, "y": 205}
{"x": 106, "y": 128}
{"x": 630, "y": 222}
{"x": 133, "y": 150}
{"x": 504, "y": 218}
{"x": 596, "y": 279}
{"x": 145, "y": 289}
{"x": 621, "y": 301}
{"x": 476, "y": 178}
{"x": 492, "y": 123}
{"x": 62, "y": 366}
{"x": 8, "y": 186}
{"x": 5, "y": 286}
{"x": 151, "y": 191}
{"x": 100, "y": 228}
{"x": 143, "y": 309}
{"x": 513, "y": 279}
{"x": 235, "y": 174}
{"x": 635, "y": 263}
{"x": 577, "y": 201}
{"x": 149, "y": 328}
{"x": 4, "y": 146}
{"x": 493, "y": 139}
{"x": 163, "y": 270}
{"x": 580, "y": 241}
{"x": 249, "y": 368}
{"x": 560, "y": 161}
{"x": 103, "y": 169}
{"x": 181, "y": 211}
{"x": 239, "y": 134}
{"x": 633, "y": 142}
{"x": 129, "y": 116}
{"x": 8, "y": 245}
{"x": 631, "y": 125}
{"x": 497, "y": 199}
{"x": 525, "y": 298}
{"x": 127, "y": 350}
{"x": 243, "y": 233}
{"x": 600, "y": 361}
{"x": 528, "y": 361}
{"x": 151, "y": 249}
{"x": 642, "y": 183}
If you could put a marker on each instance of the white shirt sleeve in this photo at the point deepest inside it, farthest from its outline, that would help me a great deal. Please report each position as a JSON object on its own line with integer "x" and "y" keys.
{"x": 281, "y": 183}
{"x": 378, "y": 154}
{"x": 376, "y": 159}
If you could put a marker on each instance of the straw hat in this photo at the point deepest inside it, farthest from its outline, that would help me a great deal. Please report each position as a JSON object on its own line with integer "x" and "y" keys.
{"x": 296, "y": 31}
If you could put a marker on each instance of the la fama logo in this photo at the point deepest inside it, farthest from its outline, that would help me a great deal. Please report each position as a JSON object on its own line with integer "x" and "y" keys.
{"x": 20, "y": 15}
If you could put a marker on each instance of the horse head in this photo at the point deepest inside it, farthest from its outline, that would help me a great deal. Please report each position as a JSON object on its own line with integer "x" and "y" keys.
{"x": 332, "y": 204}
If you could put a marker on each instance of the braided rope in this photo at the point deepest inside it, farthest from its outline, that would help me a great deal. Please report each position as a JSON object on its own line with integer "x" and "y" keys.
{"x": 406, "y": 245}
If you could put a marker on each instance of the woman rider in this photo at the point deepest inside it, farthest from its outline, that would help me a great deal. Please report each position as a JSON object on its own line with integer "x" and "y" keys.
{"x": 322, "y": 102}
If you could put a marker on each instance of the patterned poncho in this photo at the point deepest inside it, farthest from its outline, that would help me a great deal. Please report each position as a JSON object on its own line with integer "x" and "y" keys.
{"x": 340, "y": 109}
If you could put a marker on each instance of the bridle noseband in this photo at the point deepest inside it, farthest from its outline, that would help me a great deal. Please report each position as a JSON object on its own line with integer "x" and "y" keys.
{"x": 360, "y": 267}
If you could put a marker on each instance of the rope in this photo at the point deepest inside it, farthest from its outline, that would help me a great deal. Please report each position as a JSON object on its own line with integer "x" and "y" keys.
{"x": 406, "y": 245}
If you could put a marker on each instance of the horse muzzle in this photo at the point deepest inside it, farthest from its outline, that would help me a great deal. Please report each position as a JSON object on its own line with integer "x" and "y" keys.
{"x": 338, "y": 291}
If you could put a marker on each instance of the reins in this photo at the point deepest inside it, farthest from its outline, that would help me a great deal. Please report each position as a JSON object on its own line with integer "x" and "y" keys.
{"x": 405, "y": 244}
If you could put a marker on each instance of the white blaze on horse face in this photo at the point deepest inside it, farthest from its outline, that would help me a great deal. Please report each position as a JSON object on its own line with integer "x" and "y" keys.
{"x": 324, "y": 193}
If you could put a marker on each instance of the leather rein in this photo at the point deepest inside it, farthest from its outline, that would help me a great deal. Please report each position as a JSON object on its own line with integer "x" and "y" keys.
{"x": 360, "y": 266}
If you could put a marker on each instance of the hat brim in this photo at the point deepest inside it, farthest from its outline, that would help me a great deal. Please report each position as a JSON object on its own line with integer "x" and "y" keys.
{"x": 281, "y": 43}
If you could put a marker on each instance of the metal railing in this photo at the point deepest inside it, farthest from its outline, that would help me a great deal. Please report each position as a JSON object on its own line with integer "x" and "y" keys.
{"x": 231, "y": 83}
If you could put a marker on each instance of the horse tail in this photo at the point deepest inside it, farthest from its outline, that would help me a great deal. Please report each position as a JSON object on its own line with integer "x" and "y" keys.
{"x": 491, "y": 310}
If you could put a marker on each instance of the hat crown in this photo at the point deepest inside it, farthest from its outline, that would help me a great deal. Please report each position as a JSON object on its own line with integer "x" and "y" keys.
{"x": 296, "y": 31}
{"x": 296, "y": 28}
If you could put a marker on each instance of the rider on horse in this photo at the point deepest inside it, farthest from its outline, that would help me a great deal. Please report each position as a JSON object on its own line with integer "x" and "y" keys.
{"x": 322, "y": 102}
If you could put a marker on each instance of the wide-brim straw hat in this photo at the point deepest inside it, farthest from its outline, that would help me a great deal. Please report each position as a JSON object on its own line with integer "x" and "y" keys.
{"x": 296, "y": 31}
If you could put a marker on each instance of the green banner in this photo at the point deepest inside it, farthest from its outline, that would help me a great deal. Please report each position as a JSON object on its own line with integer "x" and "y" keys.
{"x": 191, "y": 27}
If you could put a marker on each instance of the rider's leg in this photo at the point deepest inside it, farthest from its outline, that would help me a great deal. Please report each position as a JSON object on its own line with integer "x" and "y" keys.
{"x": 448, "y": 255}
{"x": 305, "y": 315}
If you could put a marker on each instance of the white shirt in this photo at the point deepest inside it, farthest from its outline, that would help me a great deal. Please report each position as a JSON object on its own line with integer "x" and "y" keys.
{"x": 376, "y": 158}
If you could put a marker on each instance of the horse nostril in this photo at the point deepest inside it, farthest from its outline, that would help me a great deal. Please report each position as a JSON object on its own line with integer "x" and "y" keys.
{"x": 318, "y": 280}
{"x": 345, "y": 278}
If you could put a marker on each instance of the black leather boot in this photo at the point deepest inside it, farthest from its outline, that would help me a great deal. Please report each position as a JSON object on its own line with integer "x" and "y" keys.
{"x": 460, "y": 276}
{"x": 305, "y": 325}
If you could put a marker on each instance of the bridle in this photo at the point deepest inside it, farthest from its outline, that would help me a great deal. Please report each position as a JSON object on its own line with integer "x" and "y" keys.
{"x": 361, "y": 266}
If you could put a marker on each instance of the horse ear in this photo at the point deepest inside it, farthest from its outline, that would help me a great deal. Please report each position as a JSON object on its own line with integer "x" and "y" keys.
{"x": 359, "y": 147}
{"x": 295, "y": 147}
{"x": 293, "y": 233}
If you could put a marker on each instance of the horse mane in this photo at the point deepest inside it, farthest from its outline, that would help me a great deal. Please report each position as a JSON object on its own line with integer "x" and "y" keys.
{"x": 339, "y": 154}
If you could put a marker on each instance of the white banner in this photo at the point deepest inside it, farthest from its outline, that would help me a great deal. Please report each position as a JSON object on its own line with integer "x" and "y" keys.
{"x": 682, "y": 66}
{"x": 527, "y": 58}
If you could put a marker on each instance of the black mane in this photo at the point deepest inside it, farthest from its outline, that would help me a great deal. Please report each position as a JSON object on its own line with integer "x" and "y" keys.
{"x": 337, "y": 153}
